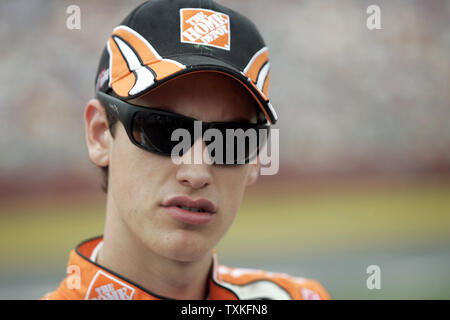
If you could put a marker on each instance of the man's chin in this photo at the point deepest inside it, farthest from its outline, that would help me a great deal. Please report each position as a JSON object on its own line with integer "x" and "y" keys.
{"x": 187, "y": 246}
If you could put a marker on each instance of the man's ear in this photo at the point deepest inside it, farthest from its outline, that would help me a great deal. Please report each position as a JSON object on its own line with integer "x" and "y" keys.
{"x": 98, "y": 137}
{"x": 253, "y": 173}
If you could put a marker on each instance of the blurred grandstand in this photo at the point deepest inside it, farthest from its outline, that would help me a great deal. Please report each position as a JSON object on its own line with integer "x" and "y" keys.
{"x": 350, "y": 100}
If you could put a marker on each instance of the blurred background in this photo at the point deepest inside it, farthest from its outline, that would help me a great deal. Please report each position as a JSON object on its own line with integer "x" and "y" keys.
{"x": 365, "y": 145}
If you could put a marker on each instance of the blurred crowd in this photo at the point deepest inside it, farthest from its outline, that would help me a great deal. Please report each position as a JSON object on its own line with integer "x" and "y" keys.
{"x": 349, "y": 99}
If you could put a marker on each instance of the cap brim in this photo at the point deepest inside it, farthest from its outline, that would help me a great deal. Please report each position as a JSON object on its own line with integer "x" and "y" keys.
{"x": 201, "y": 63}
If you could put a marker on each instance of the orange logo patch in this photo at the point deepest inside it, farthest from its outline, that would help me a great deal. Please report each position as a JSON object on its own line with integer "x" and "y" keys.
{"x": 105, "y": 287}
{"x": 205, "y": 27}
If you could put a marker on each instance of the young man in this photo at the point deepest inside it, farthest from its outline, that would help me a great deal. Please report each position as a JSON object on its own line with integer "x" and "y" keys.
{"x": 168, "y": 63}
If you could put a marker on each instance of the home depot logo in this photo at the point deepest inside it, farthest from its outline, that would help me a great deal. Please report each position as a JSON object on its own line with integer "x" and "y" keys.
{"x": 206, "y": 27}
{"x": 105, "y": 287}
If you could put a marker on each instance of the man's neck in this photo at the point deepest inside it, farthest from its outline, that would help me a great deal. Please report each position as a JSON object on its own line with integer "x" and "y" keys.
{"x": 126, "y": 255}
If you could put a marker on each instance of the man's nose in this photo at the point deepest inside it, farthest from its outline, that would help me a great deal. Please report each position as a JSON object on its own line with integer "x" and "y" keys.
{"x": 192, "y": 173}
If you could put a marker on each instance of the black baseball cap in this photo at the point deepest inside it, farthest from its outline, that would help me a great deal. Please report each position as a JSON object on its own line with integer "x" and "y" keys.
{"x": 164, "y": 39}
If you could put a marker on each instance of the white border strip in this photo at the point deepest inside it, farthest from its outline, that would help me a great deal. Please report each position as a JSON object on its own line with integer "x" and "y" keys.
{"x": 94, "y": 254}
{"x": 256, "y": 55}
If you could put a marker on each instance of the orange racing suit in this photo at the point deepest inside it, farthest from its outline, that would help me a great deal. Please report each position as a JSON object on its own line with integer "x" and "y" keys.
{"x": 88, "y": 280}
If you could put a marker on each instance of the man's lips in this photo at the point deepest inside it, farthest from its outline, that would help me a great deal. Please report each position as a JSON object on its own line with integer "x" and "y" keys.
{"x": 201, "y": 205}
{"x": 190, "y": 211}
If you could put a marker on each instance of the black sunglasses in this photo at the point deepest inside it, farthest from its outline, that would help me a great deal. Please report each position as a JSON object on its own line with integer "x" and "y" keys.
{"x": 151, "y": 129}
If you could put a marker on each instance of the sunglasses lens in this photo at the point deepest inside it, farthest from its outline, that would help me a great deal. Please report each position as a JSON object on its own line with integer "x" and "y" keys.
{"x": 154, "y": 131}
{"x": 240, "y": 145}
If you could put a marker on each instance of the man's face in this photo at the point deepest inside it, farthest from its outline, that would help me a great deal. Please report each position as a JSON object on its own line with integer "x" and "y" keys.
{"x": 140, "y": 181}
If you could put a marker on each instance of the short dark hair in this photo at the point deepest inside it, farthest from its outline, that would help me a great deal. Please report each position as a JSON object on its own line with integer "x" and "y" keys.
{"x": 105, "y": 173}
